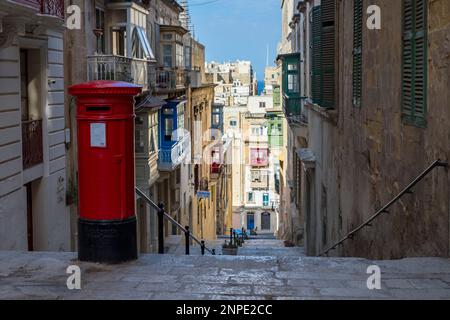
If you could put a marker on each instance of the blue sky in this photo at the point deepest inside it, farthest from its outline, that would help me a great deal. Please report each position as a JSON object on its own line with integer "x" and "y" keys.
{"x": 238, "y": 29}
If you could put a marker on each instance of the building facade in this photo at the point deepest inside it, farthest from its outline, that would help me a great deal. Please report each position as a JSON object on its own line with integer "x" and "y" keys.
{"x": 33, "y": 202}
{"x": 376, "y": 120}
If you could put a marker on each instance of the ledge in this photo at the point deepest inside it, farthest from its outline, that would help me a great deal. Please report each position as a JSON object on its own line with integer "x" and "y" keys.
{"x": 330, "y": 115}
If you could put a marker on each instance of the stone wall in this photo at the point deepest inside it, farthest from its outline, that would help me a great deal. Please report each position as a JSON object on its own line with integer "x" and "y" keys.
{"x": 366, "y": 156}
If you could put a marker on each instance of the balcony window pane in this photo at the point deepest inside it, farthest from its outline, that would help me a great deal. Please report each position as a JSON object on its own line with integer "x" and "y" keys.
{"x": 119, "y": 36}
{"x": 293, "y": 83}
{"x": 179, "y": 55}
{"x": 100, "y": 25}
{"x": 140, "y": 135}
{"x": 168, "y": 129}
{"x": 216, "y": 119}
{"x": 292, "y": 66}
{"x": 167, "y": 55}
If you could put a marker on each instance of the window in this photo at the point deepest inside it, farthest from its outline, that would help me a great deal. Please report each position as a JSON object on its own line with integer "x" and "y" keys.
{"x": 257, "y": 131}
{"x": 119, "y": 37}
{"x": 167, "y": 55}
{"x": 180, "y": 113}
{"x": 216, "y": 119}
{"x": 316, "y": 70}
{"x": 266, "y": 199}
{"x": 233, "y": 123}
{"x": 258, "y": 157}
{"x": 293, "y": 83}
{"x": 256, "y": 176}
{"x": 357, "y": 51}
{"x": 250, "y": 197}
{"x": 167, "y": 36}
{"x": 292, "y": 67}
{"x": 414, "y": 75}
{"x": 140, "y": 46}
{"x": 328, "y": 52}
{"x": 179, "y": 55}
{"x": 153, "y": 132}
{"x": 262, "y": 104}
{"x": 168, "y": 123}
{"x": 139, "y": 134}
{"x": 100, "y": 26}
{"x": 323, "y": 54}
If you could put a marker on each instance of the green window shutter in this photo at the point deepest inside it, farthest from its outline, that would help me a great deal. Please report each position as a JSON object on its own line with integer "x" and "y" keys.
{"x": 414, "y": 82}
{"x": 316, "y": 56}
{"x": 357, "y": 51}
{"x": 328, "y": 16}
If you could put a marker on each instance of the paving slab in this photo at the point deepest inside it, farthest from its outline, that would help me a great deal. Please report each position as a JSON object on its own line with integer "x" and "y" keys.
{"x": 42, "y": 275}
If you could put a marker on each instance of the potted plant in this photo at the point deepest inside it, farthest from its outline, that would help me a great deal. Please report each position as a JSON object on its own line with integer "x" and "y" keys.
{"x": 229, "y": 248}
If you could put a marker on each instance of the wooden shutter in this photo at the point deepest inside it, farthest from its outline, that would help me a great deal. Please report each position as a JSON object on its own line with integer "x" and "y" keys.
{"x": 328, "y": 14}
{"x": 316, "y": 56}
{"x": 414, "y": 80}
{"x": 357, "y": 51}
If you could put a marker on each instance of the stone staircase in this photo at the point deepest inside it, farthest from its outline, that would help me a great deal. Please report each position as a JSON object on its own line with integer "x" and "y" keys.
{"x": 42, "y": 275}
{"x": 255, "y": 246}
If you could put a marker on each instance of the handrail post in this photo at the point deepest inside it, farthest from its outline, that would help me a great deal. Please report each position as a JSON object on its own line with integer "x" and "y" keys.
{"x": 161, "y": 228}
{"x": 203, "y": 247}
{"x": 187, "y": 235}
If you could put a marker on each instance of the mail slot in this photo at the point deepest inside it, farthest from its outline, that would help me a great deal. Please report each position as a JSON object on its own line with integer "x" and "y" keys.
{"x": 106, "y": 198}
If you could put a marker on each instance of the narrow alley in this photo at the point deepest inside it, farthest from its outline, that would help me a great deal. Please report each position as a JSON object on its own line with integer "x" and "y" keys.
{"x": 224, "y": 150}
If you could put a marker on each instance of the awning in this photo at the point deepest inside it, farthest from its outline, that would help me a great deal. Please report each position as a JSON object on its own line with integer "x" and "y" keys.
{"x": 152, "y": 102}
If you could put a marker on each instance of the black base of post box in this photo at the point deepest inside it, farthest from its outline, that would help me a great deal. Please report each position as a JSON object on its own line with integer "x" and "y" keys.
{"x": 107, "y": 241}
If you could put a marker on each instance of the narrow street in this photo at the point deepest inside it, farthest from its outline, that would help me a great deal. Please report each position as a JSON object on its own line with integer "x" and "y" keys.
{"x": 225, "y": 150}
{"x": 262, "y": 273}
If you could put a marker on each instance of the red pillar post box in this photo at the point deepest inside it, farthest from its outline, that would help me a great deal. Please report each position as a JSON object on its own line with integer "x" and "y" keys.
{"x": 106, "y": 182}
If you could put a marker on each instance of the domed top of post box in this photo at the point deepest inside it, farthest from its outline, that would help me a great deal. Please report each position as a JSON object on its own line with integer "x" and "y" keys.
{"x": 105, "y": 87}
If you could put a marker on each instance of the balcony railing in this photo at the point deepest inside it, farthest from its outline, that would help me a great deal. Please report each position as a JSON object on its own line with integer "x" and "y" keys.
{"x": 169, "y": 159}
{"x": 52, "y": 8}
{"x": 170, "y": 79}
{"x": 119, "y": 68}
{"x": 32, "y": 153}
{"x": 45, "y": 7}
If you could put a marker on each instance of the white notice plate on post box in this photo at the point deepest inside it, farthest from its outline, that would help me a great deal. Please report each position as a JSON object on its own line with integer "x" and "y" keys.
{"x": 98, "y": 135}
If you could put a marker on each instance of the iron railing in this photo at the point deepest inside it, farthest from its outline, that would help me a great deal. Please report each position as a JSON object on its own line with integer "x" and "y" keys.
{"x": 119, "y": 68}
{"x": 52, "y": 8}
{"x": 163, "y": 215}
{"x": 384, "y": 209}
{"x": 32, "y": 153}
{"x": 170, "y": 79}
{"x": 294, "y": 110}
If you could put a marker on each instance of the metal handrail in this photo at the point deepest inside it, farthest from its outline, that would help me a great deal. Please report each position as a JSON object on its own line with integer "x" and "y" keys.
{"x": 168, "y": 217}
{"x": 407, "y": 190}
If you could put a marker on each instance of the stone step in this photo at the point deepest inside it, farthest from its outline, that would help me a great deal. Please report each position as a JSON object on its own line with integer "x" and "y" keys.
{"x": 42, "y": 275}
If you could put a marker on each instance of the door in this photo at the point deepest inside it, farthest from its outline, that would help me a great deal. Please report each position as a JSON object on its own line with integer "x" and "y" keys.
{"x": 265, "y": 221}
{"x": 250, "y": 221}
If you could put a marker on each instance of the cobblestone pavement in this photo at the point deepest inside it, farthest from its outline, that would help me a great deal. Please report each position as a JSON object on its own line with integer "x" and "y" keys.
{"x": 40, "y": 275}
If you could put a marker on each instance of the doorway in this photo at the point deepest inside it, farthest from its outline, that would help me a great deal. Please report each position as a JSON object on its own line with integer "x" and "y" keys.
{"x": 265, "y": 221}
{"x": 250, "y": 221}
